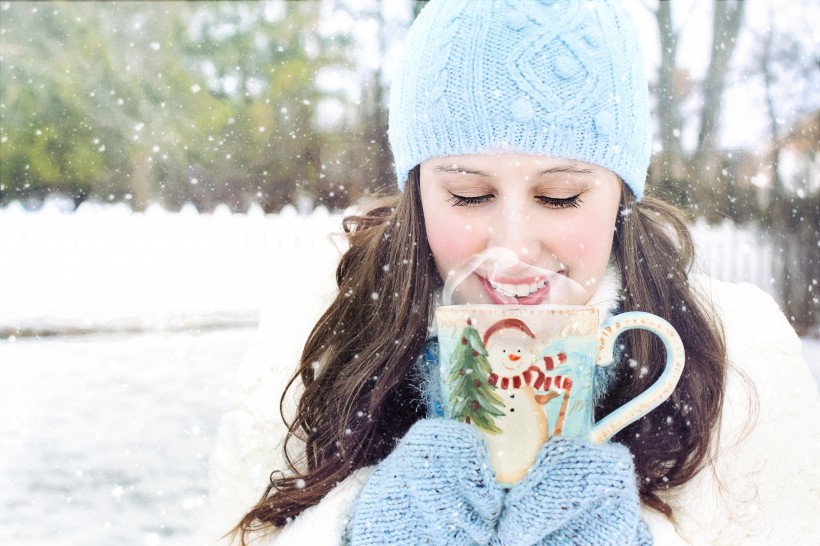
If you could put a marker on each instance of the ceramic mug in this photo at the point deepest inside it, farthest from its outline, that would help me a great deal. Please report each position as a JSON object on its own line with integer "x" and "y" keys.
{"x": 522, "y": 374}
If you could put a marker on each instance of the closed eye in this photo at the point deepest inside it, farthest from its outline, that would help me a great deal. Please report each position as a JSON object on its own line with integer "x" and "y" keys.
{"x": 464, "y": 201}
{"x": 550, "y": 202}
{"x": 558, "y": 203}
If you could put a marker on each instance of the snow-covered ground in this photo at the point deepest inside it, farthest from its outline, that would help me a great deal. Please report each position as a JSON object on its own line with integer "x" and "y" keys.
{"x": 105, "y": 437}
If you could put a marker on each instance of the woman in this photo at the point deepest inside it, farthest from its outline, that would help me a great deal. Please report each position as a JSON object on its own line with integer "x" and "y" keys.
{"x": 524, "y": 125}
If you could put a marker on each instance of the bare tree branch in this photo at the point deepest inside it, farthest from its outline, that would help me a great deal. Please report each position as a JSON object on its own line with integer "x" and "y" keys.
{"x": 725, "y": 27}
{"x": 671, "y": 160}
{"x": 686, "y": 17}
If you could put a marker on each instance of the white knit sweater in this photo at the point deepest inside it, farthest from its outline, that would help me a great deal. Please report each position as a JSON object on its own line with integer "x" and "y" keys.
{"x": 762, "y": 488}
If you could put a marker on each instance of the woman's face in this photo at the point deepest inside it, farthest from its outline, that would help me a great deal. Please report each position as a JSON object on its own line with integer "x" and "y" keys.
{"x": 556, "y": 216}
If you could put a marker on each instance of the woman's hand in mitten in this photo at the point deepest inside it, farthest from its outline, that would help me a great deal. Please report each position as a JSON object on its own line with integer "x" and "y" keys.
{"x": 436, "y": 487}
{"x": 575, "y": 493}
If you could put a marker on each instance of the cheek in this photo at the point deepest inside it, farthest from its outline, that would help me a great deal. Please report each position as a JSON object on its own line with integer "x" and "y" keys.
{"x": 587, "y": 246}
{"x": 451, "y": 239}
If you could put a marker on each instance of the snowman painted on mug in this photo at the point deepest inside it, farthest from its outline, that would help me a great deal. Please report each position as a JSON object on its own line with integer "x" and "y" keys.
{"x": 526, "y": 385}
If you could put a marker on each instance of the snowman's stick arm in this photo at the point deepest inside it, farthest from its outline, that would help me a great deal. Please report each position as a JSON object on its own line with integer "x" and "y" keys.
{"x": 560, "y": 422}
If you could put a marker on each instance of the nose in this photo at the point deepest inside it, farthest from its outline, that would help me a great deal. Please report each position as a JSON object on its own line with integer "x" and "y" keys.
{"x": 516, "y": 230}
{"x": 515, "y": 358}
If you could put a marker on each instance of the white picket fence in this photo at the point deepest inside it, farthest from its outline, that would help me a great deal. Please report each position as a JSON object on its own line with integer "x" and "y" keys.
{"x": 735, "y": 254}
{"x": 104, "y": 267}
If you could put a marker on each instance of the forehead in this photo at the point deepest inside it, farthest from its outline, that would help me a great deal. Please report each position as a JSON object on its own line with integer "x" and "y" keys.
{"x": 504, "y": 160}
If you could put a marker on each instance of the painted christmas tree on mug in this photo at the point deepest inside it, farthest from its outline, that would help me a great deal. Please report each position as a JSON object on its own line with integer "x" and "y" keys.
{"x": 472, "y": 397}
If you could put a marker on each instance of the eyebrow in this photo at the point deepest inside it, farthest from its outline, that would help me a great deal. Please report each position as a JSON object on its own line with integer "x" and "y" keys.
{"x": 563, "y": 169}
{"x": 458, "y": 170}
{"x": 568, "y": 169}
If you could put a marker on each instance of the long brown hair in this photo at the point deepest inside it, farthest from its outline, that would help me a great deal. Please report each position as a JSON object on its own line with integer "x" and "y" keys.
{"x": 358, "y": 369}
{"x": 359, "y": 395}
{"x": 654, "y": 251}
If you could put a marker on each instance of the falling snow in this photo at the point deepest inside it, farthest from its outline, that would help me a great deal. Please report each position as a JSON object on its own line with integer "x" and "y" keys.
{"x": 144, "y": 380}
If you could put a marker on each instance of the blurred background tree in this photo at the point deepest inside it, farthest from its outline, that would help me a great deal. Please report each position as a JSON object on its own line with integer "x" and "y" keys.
{"x": 164, "y": 101}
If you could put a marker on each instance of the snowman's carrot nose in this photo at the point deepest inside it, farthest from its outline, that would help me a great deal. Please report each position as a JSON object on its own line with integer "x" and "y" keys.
{"x": 514, "y": 357}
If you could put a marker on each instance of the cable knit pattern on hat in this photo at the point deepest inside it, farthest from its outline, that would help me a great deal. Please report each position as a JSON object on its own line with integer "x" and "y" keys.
{"x": 563, "y": 78}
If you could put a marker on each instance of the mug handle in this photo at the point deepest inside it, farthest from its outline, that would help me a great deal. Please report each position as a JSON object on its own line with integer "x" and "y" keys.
{"x": 659, "y": 391}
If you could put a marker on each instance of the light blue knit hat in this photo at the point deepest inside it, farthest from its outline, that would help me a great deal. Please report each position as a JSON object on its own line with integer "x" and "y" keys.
{"x": 563, "y": 78}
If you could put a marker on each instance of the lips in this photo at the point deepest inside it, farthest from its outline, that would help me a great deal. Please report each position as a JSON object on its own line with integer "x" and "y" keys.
{"x": 503, "y": 293}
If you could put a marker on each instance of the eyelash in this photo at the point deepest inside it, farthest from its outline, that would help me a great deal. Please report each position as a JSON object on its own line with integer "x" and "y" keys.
{"x": 550, "y": 202}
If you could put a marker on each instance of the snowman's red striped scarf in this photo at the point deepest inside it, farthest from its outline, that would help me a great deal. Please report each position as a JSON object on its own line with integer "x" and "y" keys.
{"x": 535, "y": 377}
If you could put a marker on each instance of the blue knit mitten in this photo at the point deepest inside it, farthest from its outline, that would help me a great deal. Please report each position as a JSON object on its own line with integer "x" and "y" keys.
{"x": 436, "y": 487}
{"x": 575, "y": 493}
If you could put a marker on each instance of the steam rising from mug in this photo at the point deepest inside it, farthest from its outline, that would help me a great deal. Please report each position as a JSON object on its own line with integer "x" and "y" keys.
{"x": 496, "y": 262}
